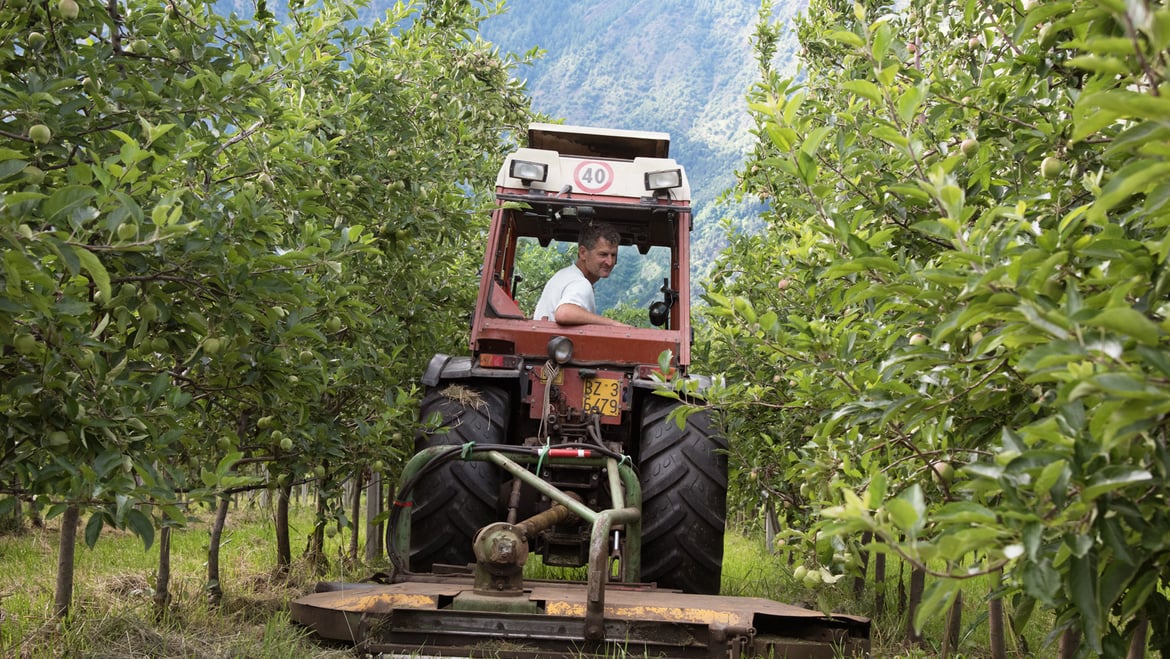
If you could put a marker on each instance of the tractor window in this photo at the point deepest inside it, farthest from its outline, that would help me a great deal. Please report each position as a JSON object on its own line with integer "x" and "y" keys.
{"x": 625, "y": 295}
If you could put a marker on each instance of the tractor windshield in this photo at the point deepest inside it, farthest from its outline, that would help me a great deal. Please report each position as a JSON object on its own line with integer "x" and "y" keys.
{"x": 636, "y": 281}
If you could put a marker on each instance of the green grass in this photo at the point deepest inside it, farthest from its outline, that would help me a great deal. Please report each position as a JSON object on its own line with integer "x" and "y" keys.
{"x": 749, "y": 570}
{"x": 113, "y": 614}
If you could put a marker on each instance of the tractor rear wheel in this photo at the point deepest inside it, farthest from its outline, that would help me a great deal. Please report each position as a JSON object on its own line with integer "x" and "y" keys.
{"x": 455, "y": 500}
{"x": 683, "y": 473}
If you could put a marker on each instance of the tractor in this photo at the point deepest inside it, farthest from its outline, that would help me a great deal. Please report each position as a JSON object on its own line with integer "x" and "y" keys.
{"x": 574, "y": 445}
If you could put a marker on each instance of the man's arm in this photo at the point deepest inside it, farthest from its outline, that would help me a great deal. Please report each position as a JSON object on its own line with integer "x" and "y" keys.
{"x": 572, "y": 314}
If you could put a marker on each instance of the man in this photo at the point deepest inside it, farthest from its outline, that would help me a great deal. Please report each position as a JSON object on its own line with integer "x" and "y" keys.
{"x": 568, "y": 296}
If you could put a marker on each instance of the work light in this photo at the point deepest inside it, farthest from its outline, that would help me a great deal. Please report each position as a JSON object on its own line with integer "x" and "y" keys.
{"x": 528, "y": 171}
{"x": 664, "y": 180}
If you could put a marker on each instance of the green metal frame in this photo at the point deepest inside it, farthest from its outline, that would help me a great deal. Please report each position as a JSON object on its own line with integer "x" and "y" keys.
{"x": 627, "y": 510}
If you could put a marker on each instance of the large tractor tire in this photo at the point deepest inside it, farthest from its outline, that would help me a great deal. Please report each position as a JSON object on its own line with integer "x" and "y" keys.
{"x": 452, "y": 502}
{"x": 683, "y": 473}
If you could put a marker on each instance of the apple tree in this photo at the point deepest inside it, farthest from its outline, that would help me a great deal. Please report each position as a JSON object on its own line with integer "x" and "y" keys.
{"x": 221, "y": 241}
{"x": 952, "y": 332}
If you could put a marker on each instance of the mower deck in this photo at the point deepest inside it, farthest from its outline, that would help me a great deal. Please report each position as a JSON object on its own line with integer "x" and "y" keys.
{"x": 441, "y": 615}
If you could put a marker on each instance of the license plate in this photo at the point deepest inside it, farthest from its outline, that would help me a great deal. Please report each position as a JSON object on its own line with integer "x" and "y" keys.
{"x": 603, "y": 396}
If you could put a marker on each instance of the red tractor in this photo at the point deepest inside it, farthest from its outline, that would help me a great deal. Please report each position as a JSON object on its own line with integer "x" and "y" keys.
{"x": 558, "y": 441}
{"x": 536, "y": 383}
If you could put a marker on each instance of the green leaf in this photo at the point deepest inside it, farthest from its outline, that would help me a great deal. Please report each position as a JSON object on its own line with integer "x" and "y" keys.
{"x": 1114, "y": 478}
{"x": 1128, "y": 321}
{"x": 863, "y": 88}
{"x": 1098, "y": 64}
{"x": 1128, "y": 181}
{"x": 1082, "y": 591}
{"x": 964, "y": 512}
{"x": 141, "y": 525}
{"x": 902, "y": 514}
{"x": 845, "y": 37}
{"x": 93, "y": 529}
{"x": 664, "y": 359}
{"x": 909, "y": 102}
{"x": 97, "y": 272}
{"x": 936, "y": 599}
{"x": 10, "y": 167}
{"x": 1041, "y": 581}
{"x": 66, "y": 199}
{"x": 908, "y": 510}
{"x": 1139, "y": 592}
{"x": 1049, "y": 475}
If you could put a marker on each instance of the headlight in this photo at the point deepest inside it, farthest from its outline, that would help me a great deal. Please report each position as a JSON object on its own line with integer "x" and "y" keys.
{"x": 664, "y": 180}
{"x": 560, "y": 349}
{"x": 528, "y": 171}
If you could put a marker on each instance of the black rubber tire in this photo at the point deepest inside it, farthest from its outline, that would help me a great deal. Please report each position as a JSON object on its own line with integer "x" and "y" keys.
{"x": 683, "y": 473}
{"x": 454, "y": 501}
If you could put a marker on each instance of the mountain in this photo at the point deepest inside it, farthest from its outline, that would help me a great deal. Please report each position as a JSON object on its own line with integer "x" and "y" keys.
{"x": 682, "y": 67}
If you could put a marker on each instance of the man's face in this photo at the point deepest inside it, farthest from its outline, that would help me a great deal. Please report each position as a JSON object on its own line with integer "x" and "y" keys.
{"x": 598, "y": 262}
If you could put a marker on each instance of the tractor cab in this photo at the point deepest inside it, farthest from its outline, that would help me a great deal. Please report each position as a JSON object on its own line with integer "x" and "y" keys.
{"x": 566, "y": 179}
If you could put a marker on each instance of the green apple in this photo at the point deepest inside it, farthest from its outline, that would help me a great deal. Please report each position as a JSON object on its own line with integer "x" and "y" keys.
{"x": 943, "y": 471}
{"x": 148, "y": 312}
{"x": 139, "y": 46}
{"x": 34, "y": 174}
{"x": 918, "y": 339}
{"x": 85, "y": 358}
{"x": 969, "y": 147}
{"x": 127, "y": 230}
{"x": 25, "y": 344}
{"x": 58, "y": 438}
{"x": 224, "y": 443}
{"x": 211, "y": 346}
{"x": 35, "y": 40}
{"x": 264, "y": 423}
{"x": 319, "y": 471}
{"x": 286, "y": 444}
{"x": 1051, "y": 167}
{"x": 333, "y": 324}
{"x": 39, "y": 133}
{"x": 306, "y": 356}
{"x": 68, "y": 9}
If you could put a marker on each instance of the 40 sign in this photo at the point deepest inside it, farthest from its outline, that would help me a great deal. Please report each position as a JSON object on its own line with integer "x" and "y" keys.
{"x": 593, "y": 176}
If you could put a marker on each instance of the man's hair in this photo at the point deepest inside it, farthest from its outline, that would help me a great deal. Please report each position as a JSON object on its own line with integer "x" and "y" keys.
{"x": 591, "y": 232}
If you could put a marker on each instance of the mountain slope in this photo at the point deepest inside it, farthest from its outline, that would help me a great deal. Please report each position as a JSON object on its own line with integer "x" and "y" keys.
{"x": 675, "y": 66}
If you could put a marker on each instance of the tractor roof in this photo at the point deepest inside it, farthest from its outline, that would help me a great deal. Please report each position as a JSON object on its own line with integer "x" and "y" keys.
{"x": 598, "y": 142}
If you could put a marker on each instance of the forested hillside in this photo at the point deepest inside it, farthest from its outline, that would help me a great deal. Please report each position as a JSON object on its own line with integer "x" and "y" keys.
{"x": 677, "y": 66}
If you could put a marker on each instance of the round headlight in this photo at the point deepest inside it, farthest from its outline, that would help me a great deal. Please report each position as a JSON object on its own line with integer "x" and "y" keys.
{"x": 560, "y": 349}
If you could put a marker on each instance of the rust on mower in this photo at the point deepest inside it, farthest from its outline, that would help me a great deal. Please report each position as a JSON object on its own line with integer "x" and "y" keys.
{"x": 640, "y": 620}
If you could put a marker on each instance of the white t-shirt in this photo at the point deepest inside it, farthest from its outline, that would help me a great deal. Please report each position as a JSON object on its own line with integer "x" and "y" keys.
{"x": 569, "y": 285}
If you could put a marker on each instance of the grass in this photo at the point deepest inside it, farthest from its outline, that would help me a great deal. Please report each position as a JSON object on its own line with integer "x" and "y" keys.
{"x": 749, "y": 570}
{"x": 113, "y": 614}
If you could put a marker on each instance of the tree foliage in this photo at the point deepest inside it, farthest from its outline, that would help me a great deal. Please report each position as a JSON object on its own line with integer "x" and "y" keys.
{"x": 953, "y": 330}
{"x": 230, "y": 244}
